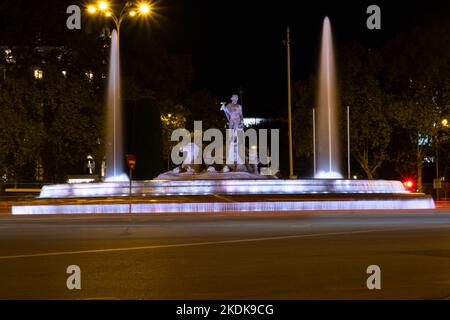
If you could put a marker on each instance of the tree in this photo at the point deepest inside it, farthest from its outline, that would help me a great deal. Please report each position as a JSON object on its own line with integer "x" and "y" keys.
{"x": 203, "y": 106}
{"x": 21, "y": 129}
{"x": 418, "y": 79}
{"x": 73, "y": 123}
{"x": 369, "y": 110}
{"x": 55, "y": 121}
{"x": 302, "y": 124}
{"x": 172, "y": 118}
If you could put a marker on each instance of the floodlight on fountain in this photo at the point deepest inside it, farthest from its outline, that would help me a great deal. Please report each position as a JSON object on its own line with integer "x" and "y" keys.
{"x": 108, "y": 14}
{"x": 132, "y": 13}
{"x": 328, "y": 175}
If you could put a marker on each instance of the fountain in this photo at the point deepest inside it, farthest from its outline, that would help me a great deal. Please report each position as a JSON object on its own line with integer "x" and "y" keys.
{"x": 327, "y": 143}
{"x": 114, "y": 133}
{"x": 209, "y": 192}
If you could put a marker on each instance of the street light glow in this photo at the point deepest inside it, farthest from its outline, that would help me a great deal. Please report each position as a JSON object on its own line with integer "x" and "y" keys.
{"x": 144, "y": 8}
{"x": 131, "y": 10}
{"x": 92, "y": 9}
{"x": 103, "y": 5}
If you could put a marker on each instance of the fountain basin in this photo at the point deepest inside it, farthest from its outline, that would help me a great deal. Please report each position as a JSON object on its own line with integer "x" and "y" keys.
{"x": 222, "y": 187}
{"x": 137, "y": 207}
{"x": 221, "y": 196}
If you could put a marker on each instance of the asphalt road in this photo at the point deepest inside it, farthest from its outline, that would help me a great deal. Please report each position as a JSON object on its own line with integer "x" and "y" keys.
{"x": 270, "y": 256}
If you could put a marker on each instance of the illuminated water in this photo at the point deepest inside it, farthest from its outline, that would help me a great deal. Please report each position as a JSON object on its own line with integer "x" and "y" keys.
{"x": 114, "y": 133}
{"x": 327, "y": 142}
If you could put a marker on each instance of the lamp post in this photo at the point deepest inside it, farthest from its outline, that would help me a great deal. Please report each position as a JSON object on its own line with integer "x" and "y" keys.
{"x": 130, "y": 9}
{"x": 291, "y": 156}
{"x": 314, "y": 141}
{"x": 117, "y": 15}
{"x": 348, "y": 143}
{"x": 437, "y": 181}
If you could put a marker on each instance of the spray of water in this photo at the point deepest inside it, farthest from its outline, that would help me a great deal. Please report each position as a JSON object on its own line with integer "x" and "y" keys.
{"x": 327, "y": 143}
{"x": 114, "y": 135}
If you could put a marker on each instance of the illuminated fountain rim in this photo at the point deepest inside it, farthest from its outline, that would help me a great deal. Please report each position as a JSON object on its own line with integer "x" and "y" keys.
{"x": 336, "y": 195}
{"x": 229, "y": 207}
{"x": 230, "y": 187}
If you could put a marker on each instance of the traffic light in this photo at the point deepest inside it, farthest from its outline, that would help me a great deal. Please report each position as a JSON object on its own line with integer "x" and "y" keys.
{"x": 409, "y": 184}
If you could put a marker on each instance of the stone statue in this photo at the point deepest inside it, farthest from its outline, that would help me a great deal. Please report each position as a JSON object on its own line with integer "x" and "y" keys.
{"x": 233, "y": 111}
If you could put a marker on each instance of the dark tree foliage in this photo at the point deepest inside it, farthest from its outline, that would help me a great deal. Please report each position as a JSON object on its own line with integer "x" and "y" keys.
{"x": 21, "y": 129}
{"x": 418, "y": 86}
{"x": 55, "y": 122}
{"x": 360, "y": 90}
{"x": 73, "y": 125}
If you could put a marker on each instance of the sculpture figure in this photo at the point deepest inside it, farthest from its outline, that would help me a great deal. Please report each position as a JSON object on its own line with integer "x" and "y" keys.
{"x": 233, "y": 111}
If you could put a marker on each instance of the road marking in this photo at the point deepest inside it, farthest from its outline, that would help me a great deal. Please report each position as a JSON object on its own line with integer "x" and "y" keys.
{"x": 100, "y": 298}
{"x": 194, "y": 244}
{"x": 223, "y": 198}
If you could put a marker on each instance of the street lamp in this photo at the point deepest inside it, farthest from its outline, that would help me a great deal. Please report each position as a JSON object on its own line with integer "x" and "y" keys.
{"x": 114, "y": 133}
{"x": 103, "y": 5}
{"x": 291, "y": 154}
{"x": 92, "y": 9}
{"x": 130, "y": 9}
{"x": 144, "y": 8}
{"x": 437, "y": 184}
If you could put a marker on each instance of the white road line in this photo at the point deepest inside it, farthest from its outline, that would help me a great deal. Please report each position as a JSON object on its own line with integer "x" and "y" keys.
{"x": 100, "y": 298}
{"x": 194, "y": 244}
{"x": 223, "y": 198}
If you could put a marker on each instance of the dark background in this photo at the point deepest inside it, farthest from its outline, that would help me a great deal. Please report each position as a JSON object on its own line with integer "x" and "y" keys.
{"x": 239, "y": 43}
{"x": 216, "y": 46}
{"x": 235, "y": 43}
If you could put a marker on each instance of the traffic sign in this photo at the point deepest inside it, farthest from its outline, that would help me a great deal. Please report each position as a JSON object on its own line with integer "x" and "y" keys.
{"x": 131, "y": 161}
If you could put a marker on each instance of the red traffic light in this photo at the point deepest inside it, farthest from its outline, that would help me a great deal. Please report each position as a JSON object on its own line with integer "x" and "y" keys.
{"x": 409, "y": 184}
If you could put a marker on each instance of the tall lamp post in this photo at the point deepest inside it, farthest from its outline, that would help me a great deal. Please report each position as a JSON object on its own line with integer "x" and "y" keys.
{"x": 114, "y": 132}
{"x": 437, "y": 184}
{"x": 291, "y": 155}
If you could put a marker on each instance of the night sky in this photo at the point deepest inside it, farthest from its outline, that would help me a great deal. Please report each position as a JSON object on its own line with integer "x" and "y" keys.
{"x": 239, "y": 43}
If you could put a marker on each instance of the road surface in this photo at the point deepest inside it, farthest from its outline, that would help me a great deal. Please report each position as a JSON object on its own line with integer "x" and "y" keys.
{"x": 248, "y": 256}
